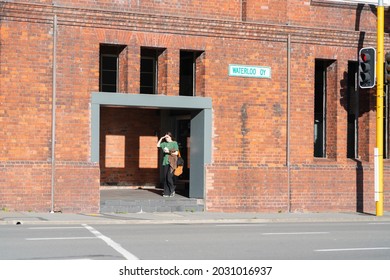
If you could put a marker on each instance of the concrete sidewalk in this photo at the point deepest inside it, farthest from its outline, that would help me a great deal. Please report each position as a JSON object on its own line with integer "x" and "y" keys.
{"x": 18, "y": 218}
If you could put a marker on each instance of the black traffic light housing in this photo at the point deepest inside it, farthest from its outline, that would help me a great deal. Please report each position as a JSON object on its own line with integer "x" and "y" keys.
{"x": 387, "y": 68}
{"x": 367, "y": 65}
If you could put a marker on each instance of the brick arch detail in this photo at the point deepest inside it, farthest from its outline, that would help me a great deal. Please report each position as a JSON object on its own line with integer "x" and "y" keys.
{"x": 110, "y": 36}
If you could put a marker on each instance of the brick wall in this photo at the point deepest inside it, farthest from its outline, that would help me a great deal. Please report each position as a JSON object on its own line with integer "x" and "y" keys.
{"x": 315, "y": 13}
{"x": 77, "y": 187}
{"x": 249, "y": 170}
{"x": 25, "y": 186}
{"x": 26, "y": 118}
{"x": 25, "y": 91}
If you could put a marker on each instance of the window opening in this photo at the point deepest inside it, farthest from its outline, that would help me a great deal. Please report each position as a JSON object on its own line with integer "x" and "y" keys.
{"x": 320, "y": 109}
{"x": 325, "y": 108}
{"x": 189, "y": 72}
{"x": 148, "y": 74}
{"x": 109, "y": 67}
{"x": 149, "y": 70}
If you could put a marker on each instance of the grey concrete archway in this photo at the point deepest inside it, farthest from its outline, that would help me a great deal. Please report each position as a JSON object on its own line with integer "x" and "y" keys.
{"x": 201, "y": 125}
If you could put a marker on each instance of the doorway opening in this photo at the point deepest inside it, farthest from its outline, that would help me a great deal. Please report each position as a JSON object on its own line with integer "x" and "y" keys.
{"x": 128, "y": 153}
{"x": 125, "y": 129}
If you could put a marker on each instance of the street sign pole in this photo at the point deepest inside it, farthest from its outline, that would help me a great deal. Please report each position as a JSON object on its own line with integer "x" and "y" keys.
{"x": 379, "y": 105}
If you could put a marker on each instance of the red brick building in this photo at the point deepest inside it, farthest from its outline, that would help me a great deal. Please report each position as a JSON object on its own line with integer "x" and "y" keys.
{"x": 261, "y": 95}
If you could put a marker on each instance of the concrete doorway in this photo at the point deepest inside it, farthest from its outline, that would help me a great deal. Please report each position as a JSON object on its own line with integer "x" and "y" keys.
{"x": 188, "y": 117}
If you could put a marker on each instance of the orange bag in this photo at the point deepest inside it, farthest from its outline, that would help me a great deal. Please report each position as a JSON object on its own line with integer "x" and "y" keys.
{"x": 180, "y": 164}
{"x": 178, "y": 171}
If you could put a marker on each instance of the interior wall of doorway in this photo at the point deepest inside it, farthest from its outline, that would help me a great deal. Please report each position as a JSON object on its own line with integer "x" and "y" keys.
{"x": 128, "y": 153}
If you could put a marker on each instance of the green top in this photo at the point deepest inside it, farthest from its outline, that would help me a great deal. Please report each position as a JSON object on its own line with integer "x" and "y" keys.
{"x": 171, "y": 146}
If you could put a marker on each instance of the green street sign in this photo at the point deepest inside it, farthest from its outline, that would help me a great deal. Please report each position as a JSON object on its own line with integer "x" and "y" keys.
{"x": 249, "y": 71}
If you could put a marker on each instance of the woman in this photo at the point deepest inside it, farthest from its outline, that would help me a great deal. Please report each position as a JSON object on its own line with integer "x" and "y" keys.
{"x": 170, "y": 150}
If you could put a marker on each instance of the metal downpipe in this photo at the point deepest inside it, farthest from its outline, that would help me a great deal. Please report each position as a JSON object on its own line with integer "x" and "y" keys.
{"x": 53, "y": 121}
{"x": 288, "y": 123}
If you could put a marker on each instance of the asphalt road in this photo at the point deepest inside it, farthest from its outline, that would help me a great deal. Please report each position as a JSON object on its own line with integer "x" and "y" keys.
{"x": 267, "y": 241}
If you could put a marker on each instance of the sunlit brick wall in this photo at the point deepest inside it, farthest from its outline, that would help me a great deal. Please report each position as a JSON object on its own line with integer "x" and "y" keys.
{"x": 248, "y": 169}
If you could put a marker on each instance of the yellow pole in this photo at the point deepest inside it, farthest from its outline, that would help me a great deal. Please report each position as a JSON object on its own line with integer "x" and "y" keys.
{"x": 379, "y": 103}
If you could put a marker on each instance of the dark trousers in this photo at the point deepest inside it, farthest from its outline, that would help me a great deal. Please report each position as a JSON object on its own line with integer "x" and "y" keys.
{"x": 169, "y": 186}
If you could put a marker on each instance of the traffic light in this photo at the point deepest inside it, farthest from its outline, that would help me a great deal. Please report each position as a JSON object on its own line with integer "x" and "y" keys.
{"x": 367, "y": 67}
{"x": 387, "y": 68}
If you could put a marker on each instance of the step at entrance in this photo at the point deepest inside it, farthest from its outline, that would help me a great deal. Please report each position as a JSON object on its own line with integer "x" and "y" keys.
{"x": 146, "y": 200}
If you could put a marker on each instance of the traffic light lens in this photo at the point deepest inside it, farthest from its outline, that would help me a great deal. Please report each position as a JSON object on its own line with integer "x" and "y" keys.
{"x": 365, "y": 57}
{"x": 366, "y": 67}
{"x": 364, "y": 77}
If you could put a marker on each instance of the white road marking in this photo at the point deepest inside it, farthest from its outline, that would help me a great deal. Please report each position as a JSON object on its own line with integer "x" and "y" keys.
{"x": 54, "y": 227}
{"x": 239, "y": 225}
{"x": 352, "y": 249}
{"x": 117, "y": 247}
{"x": 293, "y": 233}
{"x": 59, "y": 238}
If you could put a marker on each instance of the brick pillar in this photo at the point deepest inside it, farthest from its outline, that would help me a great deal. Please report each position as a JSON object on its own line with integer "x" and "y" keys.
{"x": 173, "y": 79}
